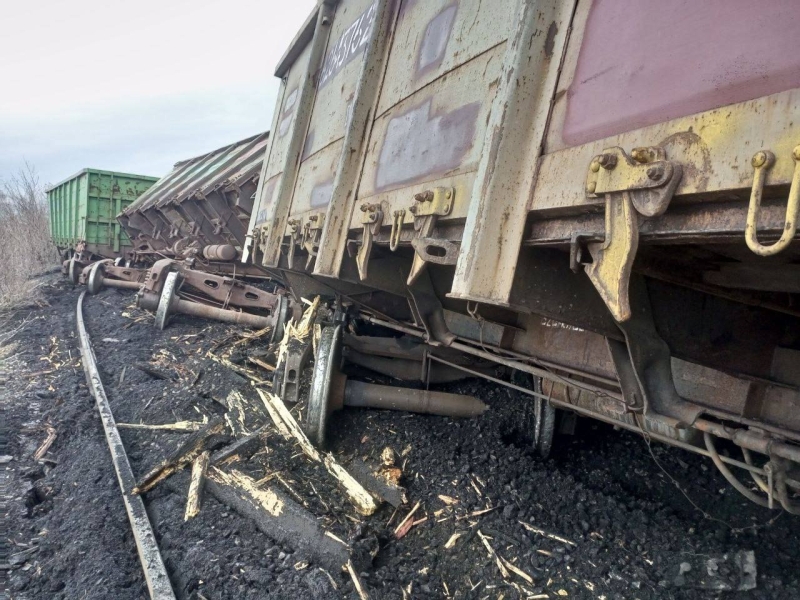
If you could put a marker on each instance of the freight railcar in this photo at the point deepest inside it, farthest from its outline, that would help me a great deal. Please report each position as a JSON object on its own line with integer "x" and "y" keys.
{"x": 201, "y": 208}
{"x": 83, "y": 211}
{"x": 602, "y": 195}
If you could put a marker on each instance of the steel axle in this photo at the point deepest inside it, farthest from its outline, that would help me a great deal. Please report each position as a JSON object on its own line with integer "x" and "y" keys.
{"x": 330, "y": 391}
{"x": 170, "y": 303}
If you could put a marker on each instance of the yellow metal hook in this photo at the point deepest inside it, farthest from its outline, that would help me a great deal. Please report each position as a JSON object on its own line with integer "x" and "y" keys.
{"x": 762, "y": 162}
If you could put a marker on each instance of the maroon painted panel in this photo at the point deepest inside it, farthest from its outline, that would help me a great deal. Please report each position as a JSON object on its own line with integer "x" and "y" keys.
{"x": 643, "y": 63}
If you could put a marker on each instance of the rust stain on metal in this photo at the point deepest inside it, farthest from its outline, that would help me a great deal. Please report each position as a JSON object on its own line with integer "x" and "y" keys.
{"x": 695, "y": 157}
{"x": 420, "y": 143}
{"x": 550, "y": 40}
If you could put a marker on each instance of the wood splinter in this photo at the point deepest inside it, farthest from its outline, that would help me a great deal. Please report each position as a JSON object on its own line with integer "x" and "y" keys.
{"x": 356, "y": 581}
{"x": 177, "y": 426}
{"x": 199, "y": 467}
{"x": 196, "y": 444}
{"x": 51, "y": 437}
{"x": 287, "y": 426}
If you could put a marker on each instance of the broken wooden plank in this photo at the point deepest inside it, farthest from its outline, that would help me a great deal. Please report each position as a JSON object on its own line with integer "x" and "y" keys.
{"x": 273, "y": 413}
{"x": 243, "y": 448}
{"x": 300, "y": 331}
{"x": 264, "y": 365}
{"x": 359, "y": 496}
{"x": 244, "y": 415}
{"x": 48, "y": 441}
{"x": 377, "y": 486}
{"x": 199, "y": 467}
{"x": 177, "y": 426}
{"x": 277, "y": 515}
{"x": 198, "y": 442}
{"x": 155, "y": 572}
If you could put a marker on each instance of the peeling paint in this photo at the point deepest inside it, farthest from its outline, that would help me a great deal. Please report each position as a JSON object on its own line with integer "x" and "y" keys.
{"x": 434, "y": 40}
{"x": 420, "y": 143}
{"x": 321, "y": 194}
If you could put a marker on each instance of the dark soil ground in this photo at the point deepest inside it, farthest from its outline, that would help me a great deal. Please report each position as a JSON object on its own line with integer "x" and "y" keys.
{"x": 615, "y": 500}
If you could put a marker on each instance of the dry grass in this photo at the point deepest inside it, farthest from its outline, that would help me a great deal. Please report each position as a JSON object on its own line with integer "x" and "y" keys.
{"x": 25, "y": 246}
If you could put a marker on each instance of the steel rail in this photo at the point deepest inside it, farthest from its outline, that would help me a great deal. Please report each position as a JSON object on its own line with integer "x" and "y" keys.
{"x": 155, "y": 572}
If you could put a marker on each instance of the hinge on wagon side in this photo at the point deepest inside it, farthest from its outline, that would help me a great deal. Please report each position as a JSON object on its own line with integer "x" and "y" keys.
{"x": 312, "y": 232}
{"x": 427, "y": 208}
{"x": 371, "y": 220}
{"x": 294, "y": 235}
{"x": 260, "y": 237}
{"x": 640, "y": 184}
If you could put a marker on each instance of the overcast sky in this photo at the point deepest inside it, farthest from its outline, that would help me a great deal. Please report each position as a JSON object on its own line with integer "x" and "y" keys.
{"x": 136, "y": 86}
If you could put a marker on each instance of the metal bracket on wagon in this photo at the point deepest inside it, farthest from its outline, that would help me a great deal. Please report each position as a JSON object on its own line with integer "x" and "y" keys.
{"x": 640, "y": 184}
{"x": 371, "y": 220}
{"x": 762, "y": 162}
{"x": 312, "y": 232}
{"x": 294, "y": 237}
{"x": 427, "y": 208}
{"x": 260, "y": 238}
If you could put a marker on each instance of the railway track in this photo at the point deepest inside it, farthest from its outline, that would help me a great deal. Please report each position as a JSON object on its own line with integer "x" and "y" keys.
{"x": 584, "y": 494}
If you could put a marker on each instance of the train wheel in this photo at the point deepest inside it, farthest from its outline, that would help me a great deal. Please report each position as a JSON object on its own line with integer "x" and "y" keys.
{"x": 324, "y": 384}
{"x": 168, "y": 295}
{"x": 74, "y": 271}
{"x": 544, "y": 422}
{"x": 538, "y": 415}
{"x": 94, "y": 283}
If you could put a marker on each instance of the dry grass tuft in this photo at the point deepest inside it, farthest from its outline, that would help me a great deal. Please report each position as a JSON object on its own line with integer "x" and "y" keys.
{"x": 25, "y": 246}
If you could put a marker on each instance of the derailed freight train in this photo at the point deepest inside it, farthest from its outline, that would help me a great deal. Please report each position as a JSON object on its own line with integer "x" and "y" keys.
{"x": 602, "y": 195}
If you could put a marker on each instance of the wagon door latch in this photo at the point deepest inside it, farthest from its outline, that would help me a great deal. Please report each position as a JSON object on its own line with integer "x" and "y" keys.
{"x": 637, "y": 186}
{"x": 427, "y": 208}
{"x": 371, "y": 221}
{"x": 312, "y": 232}
{"x": 294, "y": 236}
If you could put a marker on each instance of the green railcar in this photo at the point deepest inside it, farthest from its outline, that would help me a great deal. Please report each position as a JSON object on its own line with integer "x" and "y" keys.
{"x": 83, "y": 210}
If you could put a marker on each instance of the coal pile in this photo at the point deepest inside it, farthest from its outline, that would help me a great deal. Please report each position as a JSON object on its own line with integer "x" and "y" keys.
{"x": 607, "y": 516}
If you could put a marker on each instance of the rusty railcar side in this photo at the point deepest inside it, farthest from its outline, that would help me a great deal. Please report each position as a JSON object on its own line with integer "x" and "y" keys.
{"x": 203, "y": 202}
{"x": 613, "y": 187}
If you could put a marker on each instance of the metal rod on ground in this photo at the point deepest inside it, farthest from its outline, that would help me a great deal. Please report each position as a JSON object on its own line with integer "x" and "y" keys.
{"x": 155, "y": 573}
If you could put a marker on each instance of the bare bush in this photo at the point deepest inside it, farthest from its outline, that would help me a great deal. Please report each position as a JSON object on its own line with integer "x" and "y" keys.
{"x": 25, "y": 246}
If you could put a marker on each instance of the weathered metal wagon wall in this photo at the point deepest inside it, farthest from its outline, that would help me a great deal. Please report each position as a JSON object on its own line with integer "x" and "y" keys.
{"x": 83, "y": 209}
{"x": 204, "y": 201}
{"x": 600, "y": 180}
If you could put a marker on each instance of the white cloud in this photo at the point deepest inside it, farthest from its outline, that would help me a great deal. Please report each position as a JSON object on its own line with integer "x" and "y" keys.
{"x": 136, "y": 86}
